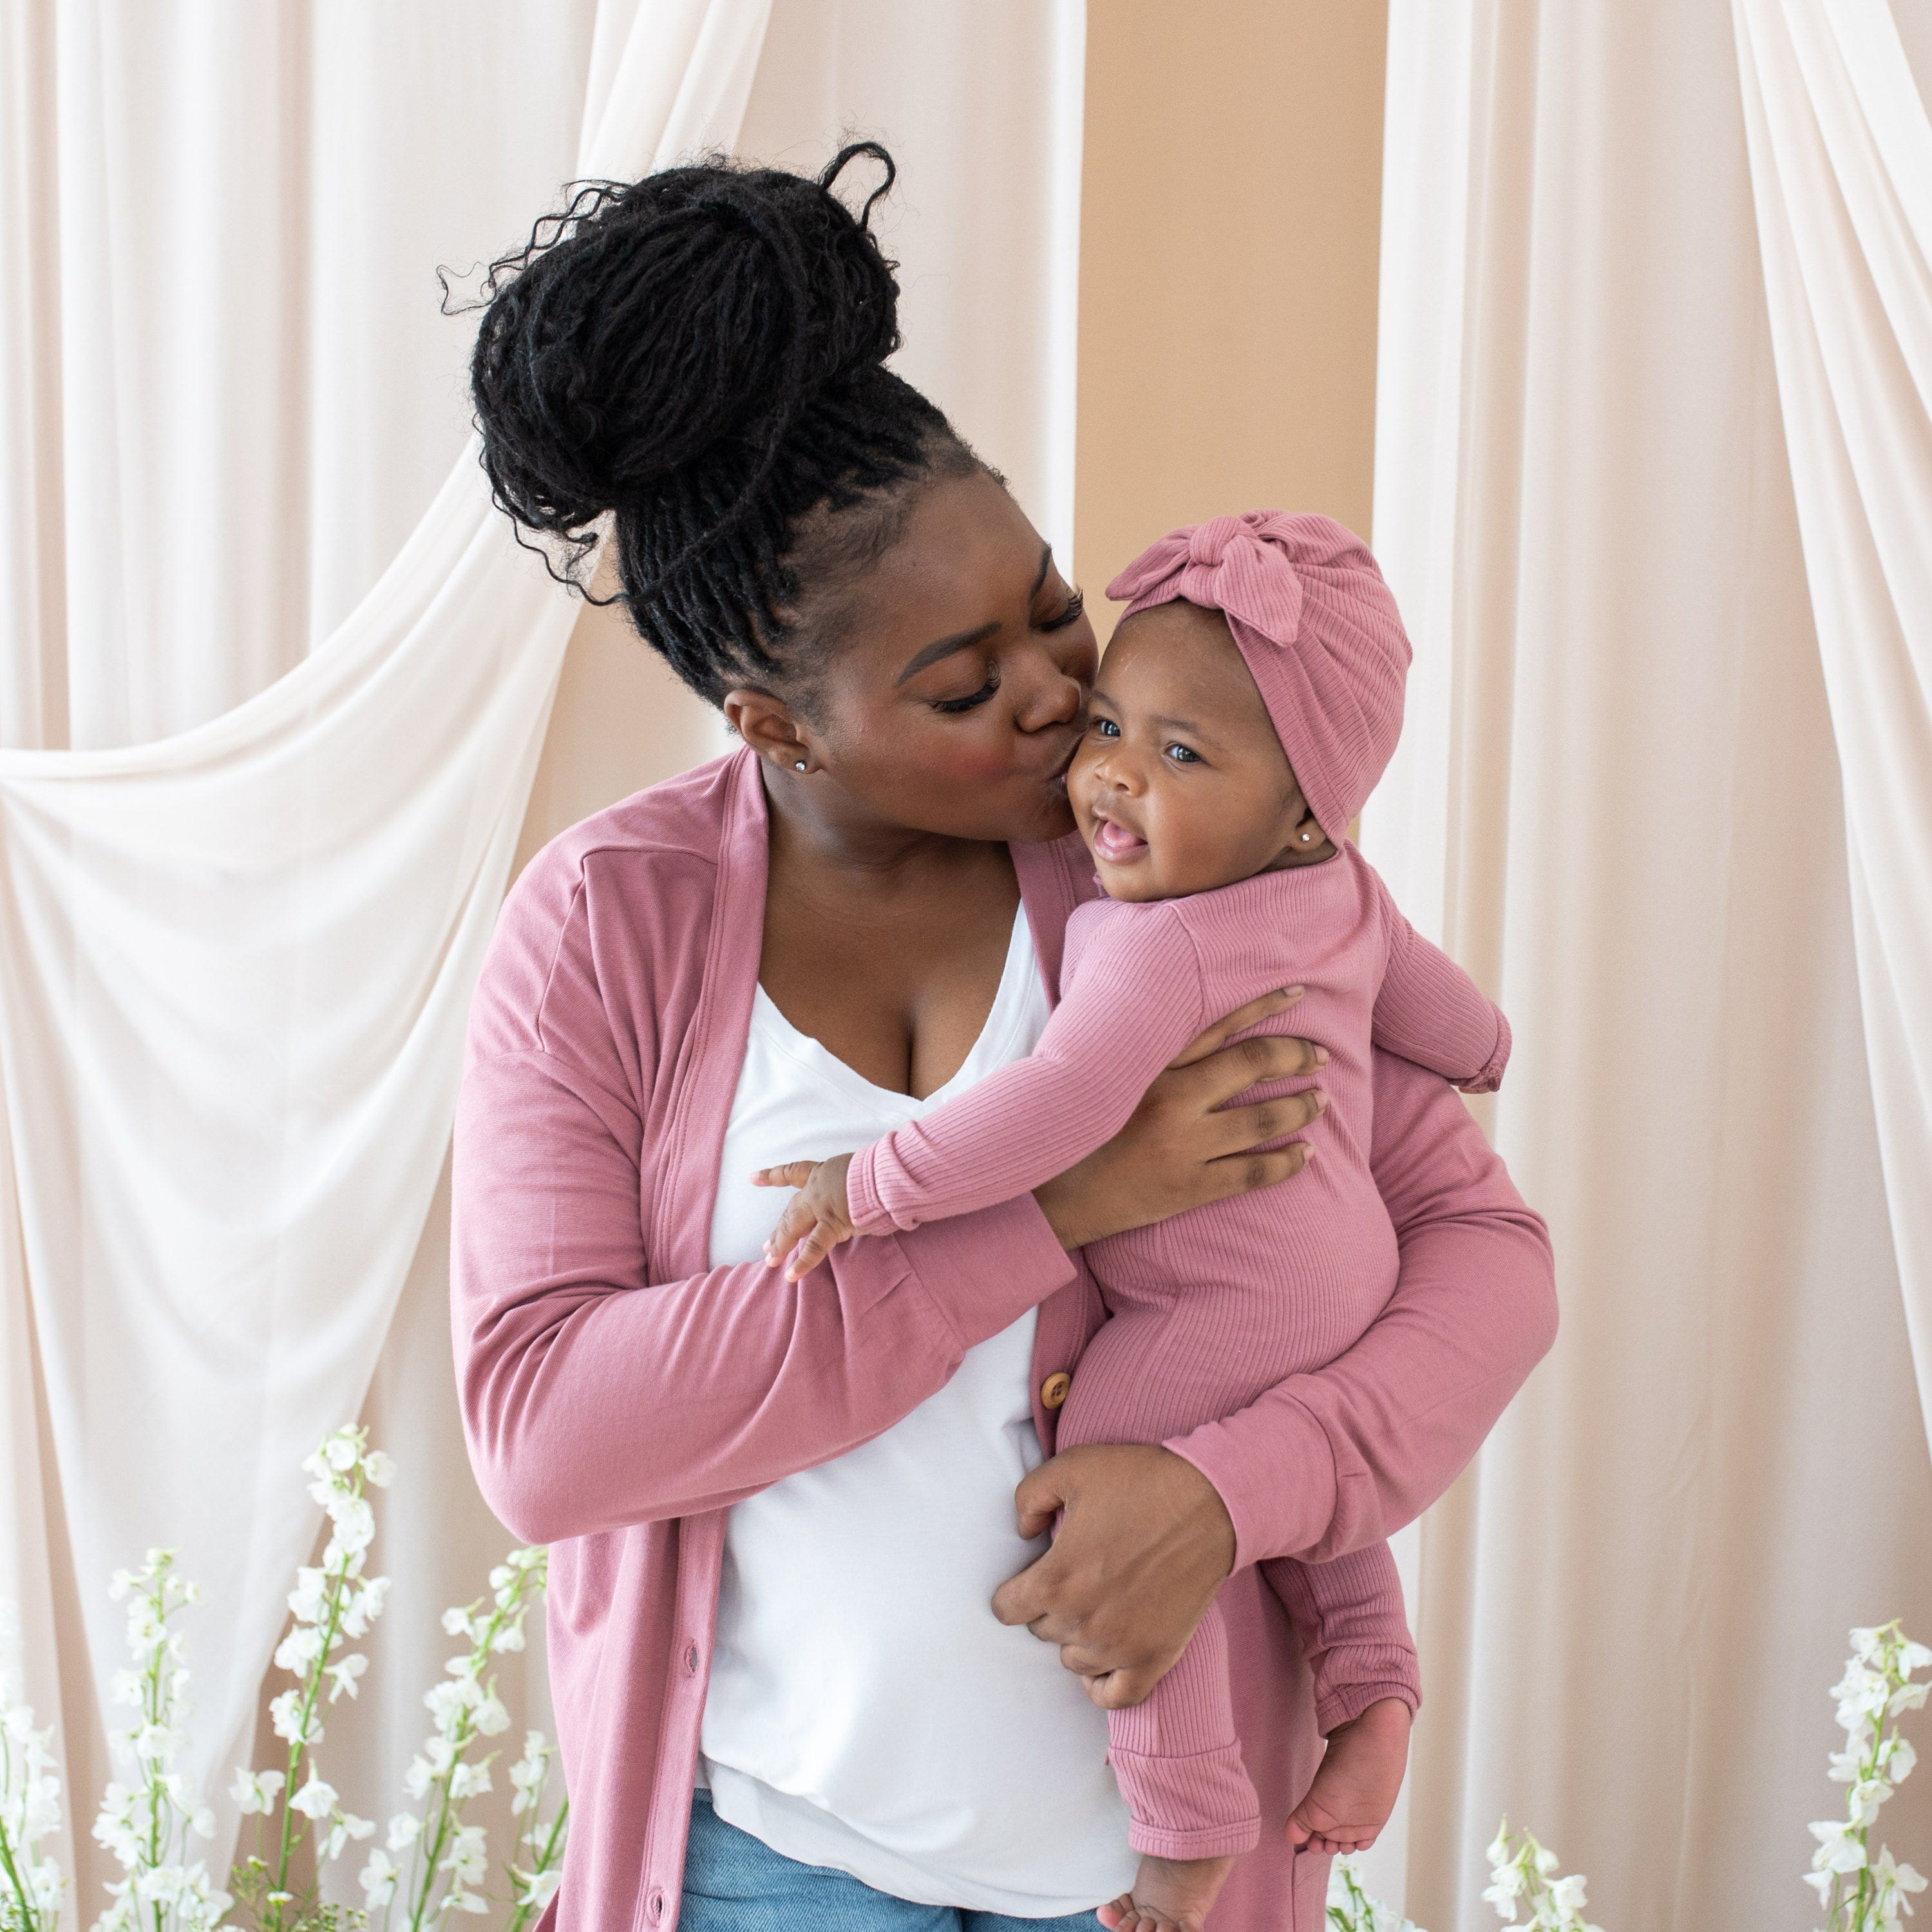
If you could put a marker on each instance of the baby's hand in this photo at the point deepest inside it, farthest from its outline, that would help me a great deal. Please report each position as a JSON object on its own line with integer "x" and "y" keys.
{"x": 818, "y": 1212}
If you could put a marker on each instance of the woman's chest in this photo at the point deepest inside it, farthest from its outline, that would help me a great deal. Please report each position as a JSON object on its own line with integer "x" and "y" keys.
{"x": 897, "y": 987}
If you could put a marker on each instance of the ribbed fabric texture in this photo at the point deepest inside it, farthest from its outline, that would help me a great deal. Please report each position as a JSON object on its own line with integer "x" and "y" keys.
{"x": 1213, "y": 1306}
{"x": 1318, "y": 628}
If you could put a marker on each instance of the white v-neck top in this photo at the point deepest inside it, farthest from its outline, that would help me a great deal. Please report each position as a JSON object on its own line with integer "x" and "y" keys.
{"x": 866, "y": 1710}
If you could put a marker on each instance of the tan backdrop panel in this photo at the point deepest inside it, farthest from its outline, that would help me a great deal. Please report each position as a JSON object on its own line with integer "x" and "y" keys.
{"x": 1229, "y": 217}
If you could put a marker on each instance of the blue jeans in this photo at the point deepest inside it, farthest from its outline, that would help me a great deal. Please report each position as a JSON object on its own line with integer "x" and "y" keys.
{"x": 734, "y": 1882}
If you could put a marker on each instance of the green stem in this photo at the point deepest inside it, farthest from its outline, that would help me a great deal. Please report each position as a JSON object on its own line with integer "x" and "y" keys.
{"x": 298, "y": 1745}
{"x": 540, "y": 1861}
{"x": 29, "y": 1918}
{"x": 465, "y": 1736}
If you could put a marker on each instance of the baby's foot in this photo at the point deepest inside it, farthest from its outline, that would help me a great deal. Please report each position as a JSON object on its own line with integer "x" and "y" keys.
{"x": 1169, "y": 1895}
{"x": 1355, "y": 1789}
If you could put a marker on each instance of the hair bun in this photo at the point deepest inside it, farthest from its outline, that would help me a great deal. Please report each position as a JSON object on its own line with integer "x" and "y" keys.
{"x": 680, "y": 324}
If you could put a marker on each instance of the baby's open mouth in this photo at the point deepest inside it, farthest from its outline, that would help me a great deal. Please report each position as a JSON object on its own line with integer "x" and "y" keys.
{"x": 1115, "y": 843}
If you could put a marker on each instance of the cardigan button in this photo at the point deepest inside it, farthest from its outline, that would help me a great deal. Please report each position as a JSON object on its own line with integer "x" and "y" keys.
{"x": 1053, "y": 1390}
{"x": 654, "y": 1906}
{"x": 691, "y": 1660}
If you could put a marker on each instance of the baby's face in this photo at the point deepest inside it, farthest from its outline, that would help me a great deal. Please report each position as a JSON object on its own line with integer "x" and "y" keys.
{"x": 1180, "y": 783}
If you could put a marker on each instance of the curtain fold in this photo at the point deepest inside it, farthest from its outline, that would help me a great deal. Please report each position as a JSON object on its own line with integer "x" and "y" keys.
{"x": 1841, "y": 171}
{"x": 235, "y": 967}
{"x": 1619, "y": 801}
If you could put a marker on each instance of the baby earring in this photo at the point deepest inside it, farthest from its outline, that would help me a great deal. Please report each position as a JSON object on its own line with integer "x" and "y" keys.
{"x": 1305, "y": 834}
{"x": 799, "y": 766}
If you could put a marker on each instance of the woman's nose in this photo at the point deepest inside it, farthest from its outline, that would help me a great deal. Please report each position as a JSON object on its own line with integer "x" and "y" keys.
{"x": 1052, "y": 697}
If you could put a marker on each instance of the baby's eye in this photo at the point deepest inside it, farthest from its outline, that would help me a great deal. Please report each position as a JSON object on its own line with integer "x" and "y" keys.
{"x": 1183, "y": 754}
{"x": 1106, "y": 727}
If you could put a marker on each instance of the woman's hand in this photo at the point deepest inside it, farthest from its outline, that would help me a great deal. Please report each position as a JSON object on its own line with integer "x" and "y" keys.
{"x": 1185, "y": 1146}
{"x": 1145, "y": 1543}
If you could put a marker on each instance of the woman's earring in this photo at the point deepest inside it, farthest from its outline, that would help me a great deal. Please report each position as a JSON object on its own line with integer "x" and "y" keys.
{"x": 799, "y": 766}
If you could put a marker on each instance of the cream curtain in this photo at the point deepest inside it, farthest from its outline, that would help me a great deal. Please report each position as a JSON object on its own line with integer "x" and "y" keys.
{"x": 235, "y": 960}
{"x": 1620, "y": 801}
{"x": 1841, "y": 171}
{"x": 266, "y": 776}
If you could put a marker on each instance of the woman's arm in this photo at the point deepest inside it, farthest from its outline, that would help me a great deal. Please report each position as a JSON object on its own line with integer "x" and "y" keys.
{"x": 593, "y": 1397}
{"x": 1335, "y": 1459}
{"x": 1323, "y": 1463}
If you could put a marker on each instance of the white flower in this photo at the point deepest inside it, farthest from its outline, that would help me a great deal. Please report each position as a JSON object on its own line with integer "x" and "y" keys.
{"x": 315, "y": 1799}
{"x": 1837, "y": 1850}
{"x": 306, "y": 1598}
{"x": 403, "y": 1828}
{"x": 286, "y": 1713}
{"x": 364, "y": 1606}
{"x": 1862, "y": 1803}
{"x": 536, "y": 1889}
{"x": 469, "y": 1858}
{"x": 343, "y": 1827}
{"x": 379, "y": 1468}
{"x": 299, "y": 1649}
{"x": 254, "y": 1791}
{"x": 469, "y": 1780}
{"x": 378, "y": 1878}
{"x": 456, "y": 1622}
{"x": 464, "y": 1901}
{"x": 419, "y": 1777}
{"x": 342, "y": 1674}
{"x": 492, "y": 1719}
{"x": 510, "y": 1637}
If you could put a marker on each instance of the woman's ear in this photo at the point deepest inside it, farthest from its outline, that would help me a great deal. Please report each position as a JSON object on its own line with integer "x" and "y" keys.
{"x": 766, "y": 724}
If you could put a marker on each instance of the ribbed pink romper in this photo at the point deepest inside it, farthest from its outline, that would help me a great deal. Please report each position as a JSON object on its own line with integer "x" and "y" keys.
{"x": 1214, "y": 1306}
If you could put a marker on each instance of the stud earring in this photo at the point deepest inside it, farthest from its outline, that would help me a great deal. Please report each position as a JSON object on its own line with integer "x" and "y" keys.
{"x": 800, "y": 766}
{"x": 1305, "y": 834}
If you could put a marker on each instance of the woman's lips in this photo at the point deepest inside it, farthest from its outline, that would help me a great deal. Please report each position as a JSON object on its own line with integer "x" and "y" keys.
{"x": 1114, "y": 843}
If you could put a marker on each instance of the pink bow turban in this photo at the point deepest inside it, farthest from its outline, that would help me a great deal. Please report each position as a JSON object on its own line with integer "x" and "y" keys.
{"x": 1318, "y": 630}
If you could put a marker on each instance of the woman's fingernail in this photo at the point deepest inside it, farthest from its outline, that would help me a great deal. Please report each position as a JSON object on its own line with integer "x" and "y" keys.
{"x": 1321, "y": 1100}
{"x": 1322, "y": 1056}
{"x": 1294, "y": 992}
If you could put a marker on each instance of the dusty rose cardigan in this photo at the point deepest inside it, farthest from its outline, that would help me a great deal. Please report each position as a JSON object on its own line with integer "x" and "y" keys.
{"x": 618, "y": 1393}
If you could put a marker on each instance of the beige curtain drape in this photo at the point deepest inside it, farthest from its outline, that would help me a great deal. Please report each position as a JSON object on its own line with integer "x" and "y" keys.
{"x": 1620, "y": 800}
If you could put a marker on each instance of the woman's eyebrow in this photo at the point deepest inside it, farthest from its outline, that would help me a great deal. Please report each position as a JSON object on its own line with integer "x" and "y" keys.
{"x": 962, "y": 641}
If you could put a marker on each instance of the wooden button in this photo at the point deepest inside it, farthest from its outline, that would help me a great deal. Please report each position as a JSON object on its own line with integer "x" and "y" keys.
{"x": 1053, "y": 1390}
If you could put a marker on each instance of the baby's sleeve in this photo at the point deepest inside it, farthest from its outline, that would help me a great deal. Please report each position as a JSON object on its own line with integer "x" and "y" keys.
{"x": 1132, "y": 1003}
{"x": 1430, "y": 1011}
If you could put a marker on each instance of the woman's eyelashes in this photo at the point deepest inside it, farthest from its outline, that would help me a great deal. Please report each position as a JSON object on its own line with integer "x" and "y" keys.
{"x": 953, "y": 706}
{"x": 1071, "y": 612}
{"x": 1074, "y": 609}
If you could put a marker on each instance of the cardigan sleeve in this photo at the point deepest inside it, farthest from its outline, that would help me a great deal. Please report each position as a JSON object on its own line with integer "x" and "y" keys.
{"x": 594, "y": 1396}
{"x": 1133, "y": 1000}
{"x": 1332, "y": 1461}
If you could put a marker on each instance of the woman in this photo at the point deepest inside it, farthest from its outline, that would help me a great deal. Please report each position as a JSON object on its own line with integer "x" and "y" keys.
{"x": 780, "y": 1510}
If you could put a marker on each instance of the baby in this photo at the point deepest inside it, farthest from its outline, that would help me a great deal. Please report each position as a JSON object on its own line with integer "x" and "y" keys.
{"x": 1249, "y": 701}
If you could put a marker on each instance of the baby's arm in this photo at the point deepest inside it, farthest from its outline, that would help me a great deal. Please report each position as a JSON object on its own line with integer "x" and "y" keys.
{"x": 1133, "y": 1001}
{"x": 1430, "y": 1011}
{"x": 1349, "y": 1615}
